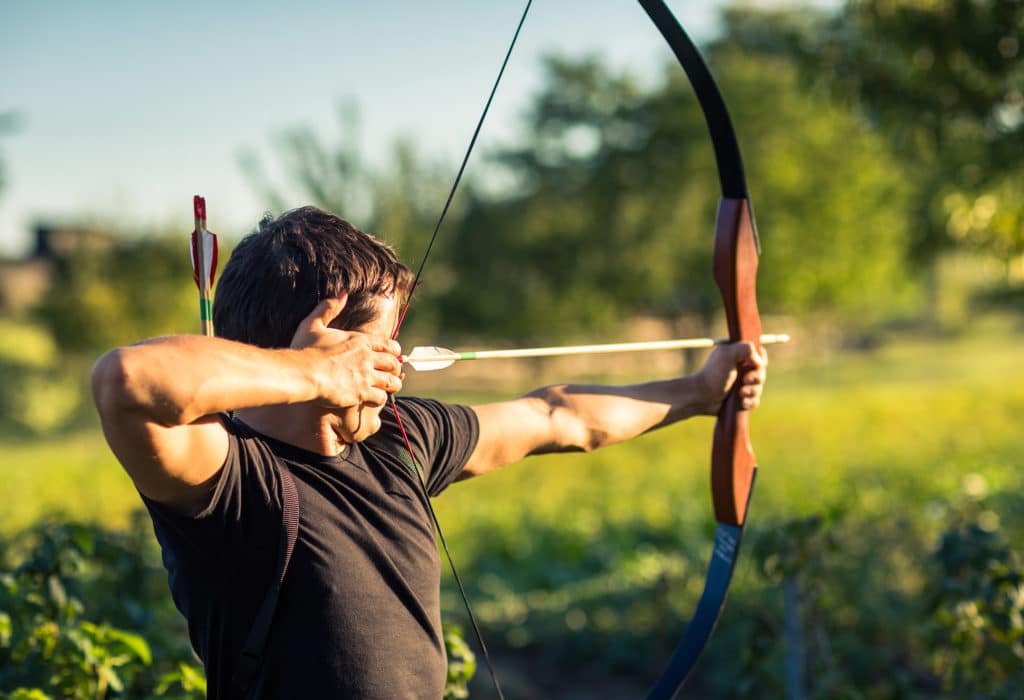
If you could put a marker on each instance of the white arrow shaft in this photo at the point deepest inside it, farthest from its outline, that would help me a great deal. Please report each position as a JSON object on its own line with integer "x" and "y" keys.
{"x": 427, "y": 358}
{"x": 681, "y": 344}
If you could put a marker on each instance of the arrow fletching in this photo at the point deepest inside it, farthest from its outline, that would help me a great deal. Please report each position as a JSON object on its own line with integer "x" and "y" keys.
{"x": 204, "y": 257}
{"x": 203, "y": 248}
{"x": 430, "y": 358}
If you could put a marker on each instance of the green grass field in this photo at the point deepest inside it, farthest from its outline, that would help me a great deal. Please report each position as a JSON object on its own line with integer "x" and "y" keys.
{"x": 893, "y": 428}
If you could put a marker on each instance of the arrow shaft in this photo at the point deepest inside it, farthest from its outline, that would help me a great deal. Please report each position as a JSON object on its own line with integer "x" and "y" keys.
{"x": 594, "y": 349}
{"x": 679, "y": 344}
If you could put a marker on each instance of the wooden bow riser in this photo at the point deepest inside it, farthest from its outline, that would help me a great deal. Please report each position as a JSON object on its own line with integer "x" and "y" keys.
{"x": 735, "y": 268}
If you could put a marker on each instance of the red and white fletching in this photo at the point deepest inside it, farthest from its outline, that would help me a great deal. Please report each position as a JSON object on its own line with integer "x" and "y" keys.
{"x": 203, "y": 245}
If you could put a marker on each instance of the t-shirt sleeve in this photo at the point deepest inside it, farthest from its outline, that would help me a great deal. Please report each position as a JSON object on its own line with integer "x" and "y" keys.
{"x": 443, "y": 437}
{"x": 242, "y": 515}
{"x": 218, "y": 551}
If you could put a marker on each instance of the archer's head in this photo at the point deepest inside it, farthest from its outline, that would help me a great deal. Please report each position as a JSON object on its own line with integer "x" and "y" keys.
{"x": 280, "y": 271}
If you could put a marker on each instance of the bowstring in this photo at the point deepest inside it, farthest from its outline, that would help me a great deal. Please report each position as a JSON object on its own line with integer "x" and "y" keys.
{"x": 394, "y": 336}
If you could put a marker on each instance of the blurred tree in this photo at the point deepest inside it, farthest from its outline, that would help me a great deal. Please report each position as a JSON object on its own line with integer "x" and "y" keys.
{"x": 332, "y": 178}
{"x": 398, "y": 201}
{"x": 570, "y": 241}
{"x": 616, "y": 192}
{"x": 991, "y": 220}
{"x": 136, "y": 288}
{"x": 945, "y": 80}
{"x": 102, "y": 291}
{"x": 831, "y": 198}
{"x": 605, "y": 209}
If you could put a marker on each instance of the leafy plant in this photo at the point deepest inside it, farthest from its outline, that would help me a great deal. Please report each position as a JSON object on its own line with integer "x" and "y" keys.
{"x": 58, "y": 609}
{"x": 52, "y": 644}
{"x": 977, "y": 599}
{"x": 461, "y": 664}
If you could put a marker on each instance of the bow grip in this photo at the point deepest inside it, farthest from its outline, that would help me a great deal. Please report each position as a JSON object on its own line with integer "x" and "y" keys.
{"x": 735, "y": 267}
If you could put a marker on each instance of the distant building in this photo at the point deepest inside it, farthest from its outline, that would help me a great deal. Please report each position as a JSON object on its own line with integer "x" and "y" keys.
{"x": 23, "y": 282}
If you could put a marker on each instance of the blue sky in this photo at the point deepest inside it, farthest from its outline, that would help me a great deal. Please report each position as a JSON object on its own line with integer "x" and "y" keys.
{"x": 127, "y": 109}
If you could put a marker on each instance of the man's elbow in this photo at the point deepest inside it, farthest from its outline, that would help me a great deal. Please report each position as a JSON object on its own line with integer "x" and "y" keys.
{"x": 568, "y": 429}
{"x": 117, "y": 388}
{"x": 109, "y": 382}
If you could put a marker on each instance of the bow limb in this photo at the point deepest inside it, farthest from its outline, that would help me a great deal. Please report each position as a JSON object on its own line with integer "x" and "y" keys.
{"x": 733, "y": 466}
{"x": 732, "y": 457}
{"x": 736, "y": 250}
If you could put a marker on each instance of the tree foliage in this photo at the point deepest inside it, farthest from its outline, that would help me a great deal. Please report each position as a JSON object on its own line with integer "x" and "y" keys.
{"x": 137, "y": 287}
{"x": 68, "y": 595}
{"x": 616, "y": 213}
{"x": 100, "y": 296}
{"x": 944, "y": 81}
{"x": 396, "y": 201}
{"x": 605, "y": 208}
{"x": 978, "y": 608}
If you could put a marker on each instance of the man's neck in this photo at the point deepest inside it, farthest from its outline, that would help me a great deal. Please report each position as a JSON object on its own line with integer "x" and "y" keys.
{"x": 299, "y": 425}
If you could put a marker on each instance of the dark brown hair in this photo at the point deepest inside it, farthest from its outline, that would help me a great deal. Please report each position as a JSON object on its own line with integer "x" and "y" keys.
{"x": 282, "y": 270}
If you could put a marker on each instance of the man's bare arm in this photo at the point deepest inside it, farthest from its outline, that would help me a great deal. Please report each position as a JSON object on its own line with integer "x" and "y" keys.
{"x": 581, "y": 418}
{"x": 158, "y": 400}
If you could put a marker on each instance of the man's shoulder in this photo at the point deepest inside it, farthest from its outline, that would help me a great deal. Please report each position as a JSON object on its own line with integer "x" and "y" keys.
{"x": 441, "y": 437}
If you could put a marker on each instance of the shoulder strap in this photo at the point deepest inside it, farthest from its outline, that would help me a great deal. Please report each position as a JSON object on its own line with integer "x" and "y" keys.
{"x": 249, "y": 662}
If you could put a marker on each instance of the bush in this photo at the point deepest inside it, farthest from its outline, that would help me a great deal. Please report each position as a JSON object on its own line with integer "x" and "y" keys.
{"x": 67, "y": 604}
{"x": 64, "y": 610}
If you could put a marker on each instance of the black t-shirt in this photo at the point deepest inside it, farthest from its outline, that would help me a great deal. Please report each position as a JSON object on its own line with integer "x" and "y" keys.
{"x": 359, "y": 612}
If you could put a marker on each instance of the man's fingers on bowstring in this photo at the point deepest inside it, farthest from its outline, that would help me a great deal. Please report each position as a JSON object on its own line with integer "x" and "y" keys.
{"x": 375, "y": 397}
{"x": 386, "y": 356}
{"x": 391, "y": 347}
{"x": 384, "y": 384}
{"x": 391, "y": 383}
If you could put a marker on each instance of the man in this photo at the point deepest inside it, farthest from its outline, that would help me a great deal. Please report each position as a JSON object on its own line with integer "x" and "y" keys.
{"x": 299, "y": 377}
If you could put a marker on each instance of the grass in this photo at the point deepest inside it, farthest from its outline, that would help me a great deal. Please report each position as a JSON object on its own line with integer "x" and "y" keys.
{"x": 896, "y": 427}
{"x": 75, "y": 475}
{"x": 571, "y": 559}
